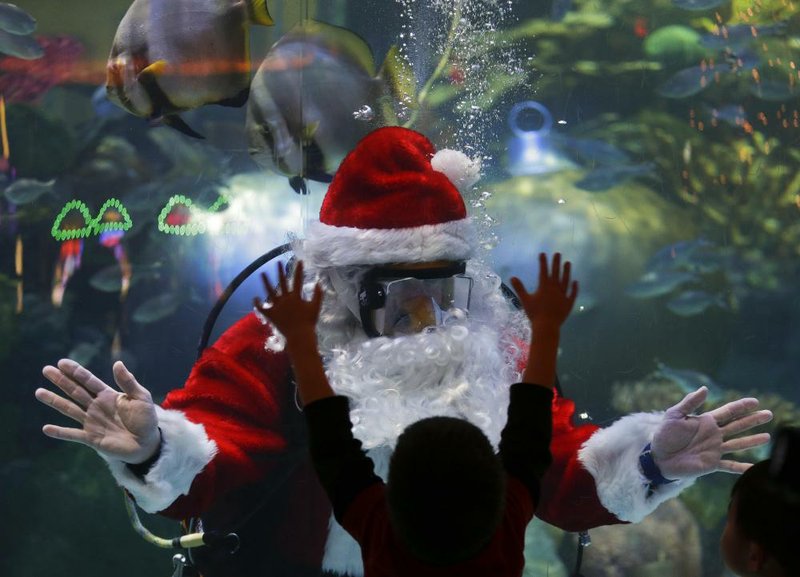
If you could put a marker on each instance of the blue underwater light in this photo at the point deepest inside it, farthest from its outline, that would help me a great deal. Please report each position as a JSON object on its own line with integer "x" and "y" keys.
{"x": 529, "y": 151}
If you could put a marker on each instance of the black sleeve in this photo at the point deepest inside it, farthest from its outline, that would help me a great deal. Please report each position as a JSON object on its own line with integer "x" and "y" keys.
{"x": 342, "y": 466}
{"x": 525, "y": 440}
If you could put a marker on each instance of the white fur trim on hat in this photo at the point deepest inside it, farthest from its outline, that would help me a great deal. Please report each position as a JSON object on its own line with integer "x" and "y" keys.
{"x": 328, "y": 245}
{"x": 611, "y": 455}
{"x": 185, "y": 451}
{"x": 459, "y": 168}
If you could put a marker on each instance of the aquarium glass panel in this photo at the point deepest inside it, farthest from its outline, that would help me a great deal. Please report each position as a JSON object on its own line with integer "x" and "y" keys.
{"x": 158, "y": 155}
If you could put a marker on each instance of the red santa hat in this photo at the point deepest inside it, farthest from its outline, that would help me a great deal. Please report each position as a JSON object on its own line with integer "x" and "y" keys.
{"x": 394, "y": 199}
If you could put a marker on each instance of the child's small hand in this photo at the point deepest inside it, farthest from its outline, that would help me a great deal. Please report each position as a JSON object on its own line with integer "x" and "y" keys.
{"x": 553, "y": 299}
{"x": 285, "y": 308}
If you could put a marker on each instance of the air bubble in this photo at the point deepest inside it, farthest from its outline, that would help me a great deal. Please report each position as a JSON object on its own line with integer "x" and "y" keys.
{"x": 364, "y": 113}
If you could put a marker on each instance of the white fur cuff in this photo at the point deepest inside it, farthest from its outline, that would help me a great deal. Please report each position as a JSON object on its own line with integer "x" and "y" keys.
{"x": 328, "y": 245}
{"x": 185, "y": 451}
{"x": 611, "y": 455}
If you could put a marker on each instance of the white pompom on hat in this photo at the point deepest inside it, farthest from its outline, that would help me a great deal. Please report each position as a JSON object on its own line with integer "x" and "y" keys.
{"x": 394, "y": 199}
{"x": 462, "y": 170}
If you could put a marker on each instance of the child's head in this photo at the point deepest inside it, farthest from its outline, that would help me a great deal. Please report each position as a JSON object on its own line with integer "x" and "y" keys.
{"x": 760, "y": 537}
{"x": 446, "y": 490}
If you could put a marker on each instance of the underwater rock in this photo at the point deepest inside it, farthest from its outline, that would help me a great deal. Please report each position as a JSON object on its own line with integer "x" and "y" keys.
{"x": 667, "y": 542}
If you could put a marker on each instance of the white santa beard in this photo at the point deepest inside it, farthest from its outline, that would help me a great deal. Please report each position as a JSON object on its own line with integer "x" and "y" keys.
{"x": 463, "y": 369}
{"x": 392, "y": 382}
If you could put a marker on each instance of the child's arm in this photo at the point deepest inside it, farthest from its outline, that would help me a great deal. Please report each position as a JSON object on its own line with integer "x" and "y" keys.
{"x": 296, "y": 319}
{"x": 343, "y": 468}
{"x": 547, "y": 309}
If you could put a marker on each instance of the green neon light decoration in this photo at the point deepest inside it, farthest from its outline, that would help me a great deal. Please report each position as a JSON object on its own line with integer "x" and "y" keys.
{"x": 195, "y": 225}
{"x": 95, "y": 226}
{"x": 218, "y": 203}
{"x": 62, "y": 235}
{"x": 112, "y": 203}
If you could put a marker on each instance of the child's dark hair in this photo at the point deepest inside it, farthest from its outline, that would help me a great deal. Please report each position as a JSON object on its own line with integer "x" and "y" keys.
{"x": 768, "y": 512}
{"x": 445, "y": 490}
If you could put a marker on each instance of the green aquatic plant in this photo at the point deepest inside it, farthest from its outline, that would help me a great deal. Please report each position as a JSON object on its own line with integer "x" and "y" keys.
{"x": 764, "y": 11}
{"x": 737, "y": 183}
{"x": 444, "y": 59}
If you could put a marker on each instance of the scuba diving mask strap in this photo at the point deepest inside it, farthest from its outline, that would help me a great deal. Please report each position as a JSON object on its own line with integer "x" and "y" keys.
{"x": 371, "y": 296}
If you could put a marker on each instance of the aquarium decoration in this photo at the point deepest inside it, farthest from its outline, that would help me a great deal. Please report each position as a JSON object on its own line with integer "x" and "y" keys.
{"x": 529, "y": 151}
{"x": 180, "y": 217}
{"x": 72, "y": 225}
{"x": 113, "y": 216}
{"x": 72, "y": 232}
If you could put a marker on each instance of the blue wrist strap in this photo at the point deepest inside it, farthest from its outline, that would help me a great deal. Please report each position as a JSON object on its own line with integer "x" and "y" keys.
{"x": 651, "y": 470}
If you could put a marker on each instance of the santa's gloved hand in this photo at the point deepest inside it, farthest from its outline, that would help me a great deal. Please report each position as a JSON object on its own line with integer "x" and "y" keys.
{"x": 118, "y": 425}
{"x": 687, "y": 445}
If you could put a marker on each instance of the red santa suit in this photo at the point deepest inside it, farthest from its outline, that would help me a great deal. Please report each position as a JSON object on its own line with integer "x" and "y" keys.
{"x": 233, "y": 439}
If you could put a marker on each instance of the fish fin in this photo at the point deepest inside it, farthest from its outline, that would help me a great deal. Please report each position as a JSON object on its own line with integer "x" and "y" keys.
{"x": 319, "y": 176}
{"x": 314, "y": 161}
{"x": 236, "y": 101}
{"x": 343, "y": 41}
{"x": 309, "y": 130}
{"x": 258, "y": 13}
{"x": 176, "y": 122}
{"x": 298, "y": 184}
{"x": 152, "y": 71}
{"x": 400, "y": 83}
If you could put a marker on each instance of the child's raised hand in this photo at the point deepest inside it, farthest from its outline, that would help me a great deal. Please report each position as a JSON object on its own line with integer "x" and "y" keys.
{"x": 285, "y": 307}
{"x": 555, "y": 296}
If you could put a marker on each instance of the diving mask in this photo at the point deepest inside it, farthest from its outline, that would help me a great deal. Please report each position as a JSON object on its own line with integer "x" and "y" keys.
{"x": 401, "y": 301}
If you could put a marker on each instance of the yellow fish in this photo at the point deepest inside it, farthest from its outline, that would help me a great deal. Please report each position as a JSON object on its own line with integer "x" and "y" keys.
{"x": 170, "y": 56}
